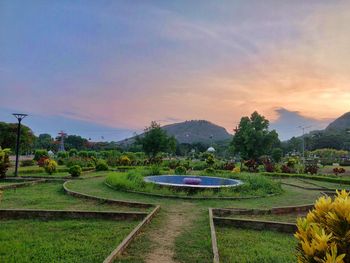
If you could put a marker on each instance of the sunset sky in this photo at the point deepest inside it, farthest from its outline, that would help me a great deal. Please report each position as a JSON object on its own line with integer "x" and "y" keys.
{"x": 110, "y": 67}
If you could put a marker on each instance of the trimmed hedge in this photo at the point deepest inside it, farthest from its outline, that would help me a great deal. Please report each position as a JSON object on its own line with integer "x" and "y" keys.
{"x": 313, "y": 177}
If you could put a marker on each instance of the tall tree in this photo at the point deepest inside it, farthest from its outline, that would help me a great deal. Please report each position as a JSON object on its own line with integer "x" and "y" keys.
{"x": 253, "y": 138}
{"x": 45, "y": 141}
{"x": 8, "y": 133}
{"x": 156, "y": 140}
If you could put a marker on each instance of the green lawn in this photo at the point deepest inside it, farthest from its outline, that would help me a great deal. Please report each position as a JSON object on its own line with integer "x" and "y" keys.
{"x": 60, "y": 240}
{"x": 250, "y": 246}
{"x": 52, "y": 196}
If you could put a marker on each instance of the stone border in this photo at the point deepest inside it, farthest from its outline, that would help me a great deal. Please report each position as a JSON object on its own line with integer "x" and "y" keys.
{"x": 106, "y": 200}
{"x": 125, "y": 243}
{"x": 21, "y": 184}
{"x": 224, "y": 212}
{"x": 305, "y": 188}
{"x": 71, "y": 214}
{"x": 214, "y": 244}
{"x": 256, "y": 224}
{"x": 191, "y": 197}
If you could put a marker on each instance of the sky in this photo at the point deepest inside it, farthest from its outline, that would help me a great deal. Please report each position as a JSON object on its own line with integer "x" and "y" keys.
{"x": 108, "y": 68}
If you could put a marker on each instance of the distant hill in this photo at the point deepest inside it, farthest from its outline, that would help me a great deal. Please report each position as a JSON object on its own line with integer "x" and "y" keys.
{"x": 340, "y": 124}
{"x": 192, "y": 132}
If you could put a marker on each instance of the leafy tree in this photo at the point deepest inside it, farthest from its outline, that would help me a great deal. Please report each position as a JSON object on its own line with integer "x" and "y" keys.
{"x": 253, "y": 139}
{"x": 75, "y": 141}
{"x": 8, "y": 135}
{"x": 156, "y": 140}
{"x": 277, "y": 154}
{"x": 45, "y": 141}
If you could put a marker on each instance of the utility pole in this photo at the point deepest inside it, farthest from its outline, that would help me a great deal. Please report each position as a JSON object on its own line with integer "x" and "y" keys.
{"x": 303, "y": 137}
{"x": 19, "y": 117}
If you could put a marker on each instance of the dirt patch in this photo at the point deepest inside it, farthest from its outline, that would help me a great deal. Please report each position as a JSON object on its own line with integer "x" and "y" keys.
{"x": 177, "y": 219}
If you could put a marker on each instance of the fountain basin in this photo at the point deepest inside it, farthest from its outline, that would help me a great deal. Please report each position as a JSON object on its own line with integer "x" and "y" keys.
{"x": 186, "y": 181}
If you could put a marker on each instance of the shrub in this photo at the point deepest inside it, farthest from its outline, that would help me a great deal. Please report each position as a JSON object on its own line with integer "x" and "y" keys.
{"x": 62, "y": 155}
{"x": 83, "y": 154}
{"x": 276, "y": 155}
{"x": 286, "y": 169}
{"x": 82, "y": 162}
{"x": 338, "y": 170}
{"x": 209, "y": 170}
{"x": 324, "y": 234}
{"x": 75, "y": 171}
{"x": 236, "y": 170}
{"x": 155, "y": 170}
{"x": 101, "y": 165}
{"x": 26, "y": 163}
{"x": 40, "y": 154}
{"x": 252, "y": 165}
{"x": 311, "y": 168}
{"x": 50, "y": 166}
{"x": 180, "y": 170}
{"x": 198, "y": 166}
{"x": 269, "y": 166}
{"x": 4, "y": 162}
{"x": 228, "y": 166}
{"x": 73, "y": 152}
{"x": 42, "y": 160}
{"x": 210, "y": 160}
{"x": 172, "y": 164}
{"x": 124, "y": 160}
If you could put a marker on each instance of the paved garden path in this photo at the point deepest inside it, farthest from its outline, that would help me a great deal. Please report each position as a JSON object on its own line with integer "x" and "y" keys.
{"x": 177, "y": 219}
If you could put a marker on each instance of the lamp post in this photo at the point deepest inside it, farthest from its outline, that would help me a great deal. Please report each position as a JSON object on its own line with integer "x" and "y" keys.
{"x": 19, "y": 117}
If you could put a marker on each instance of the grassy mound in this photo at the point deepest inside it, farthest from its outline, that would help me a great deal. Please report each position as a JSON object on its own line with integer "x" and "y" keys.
{"x": 253, "y": 185}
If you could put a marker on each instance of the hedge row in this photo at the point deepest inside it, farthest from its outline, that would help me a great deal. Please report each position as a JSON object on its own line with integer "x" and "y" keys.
{"x": 313, "y": 177}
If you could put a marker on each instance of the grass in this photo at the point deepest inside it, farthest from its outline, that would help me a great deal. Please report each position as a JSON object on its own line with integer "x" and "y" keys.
{"x": 253, "y": 186}
{"x": 61, "y": 240}
{"x": 193, "y": 245}
{"x": 240, "y": 246}
{"x": 52, "y": 196}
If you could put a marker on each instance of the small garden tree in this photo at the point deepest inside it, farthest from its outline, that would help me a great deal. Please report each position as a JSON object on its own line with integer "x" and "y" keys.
{"x": 156, "y": 140}
{"x": 253, "y": 138}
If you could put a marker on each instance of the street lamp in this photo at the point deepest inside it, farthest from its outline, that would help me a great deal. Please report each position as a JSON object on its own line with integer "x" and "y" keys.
{"x": 19, "y": 117}
{"x": 303, "y": 137}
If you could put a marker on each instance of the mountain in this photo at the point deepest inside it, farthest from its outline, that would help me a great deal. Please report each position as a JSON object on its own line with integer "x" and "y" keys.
{"x": 340, "y": 124}
{"x": 192, "y": 132}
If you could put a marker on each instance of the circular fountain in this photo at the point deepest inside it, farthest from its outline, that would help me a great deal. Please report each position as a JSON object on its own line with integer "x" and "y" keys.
{"x": 187, "y": 181}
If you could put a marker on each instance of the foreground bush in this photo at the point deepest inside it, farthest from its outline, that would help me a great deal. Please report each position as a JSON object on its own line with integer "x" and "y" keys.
{"x": 50, "y": 166}
{"x": 4, "y": 162}
{"x": 75, "y": 171}
{"x": 102, "y": 165}
{"x": 324, "y": 235}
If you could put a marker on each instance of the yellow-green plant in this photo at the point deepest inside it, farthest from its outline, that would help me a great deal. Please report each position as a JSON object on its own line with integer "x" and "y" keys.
{"x": 50, "y": 166}
{"x": 4, "y": 162}
{"x": 0, "y": 196}
{"x": 324, "y": 235}
{"x": 236, "y": 170}
{"x": 124, "y": 160}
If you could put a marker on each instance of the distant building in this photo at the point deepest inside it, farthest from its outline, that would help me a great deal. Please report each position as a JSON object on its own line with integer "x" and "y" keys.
{"x": 211, "y": 149}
